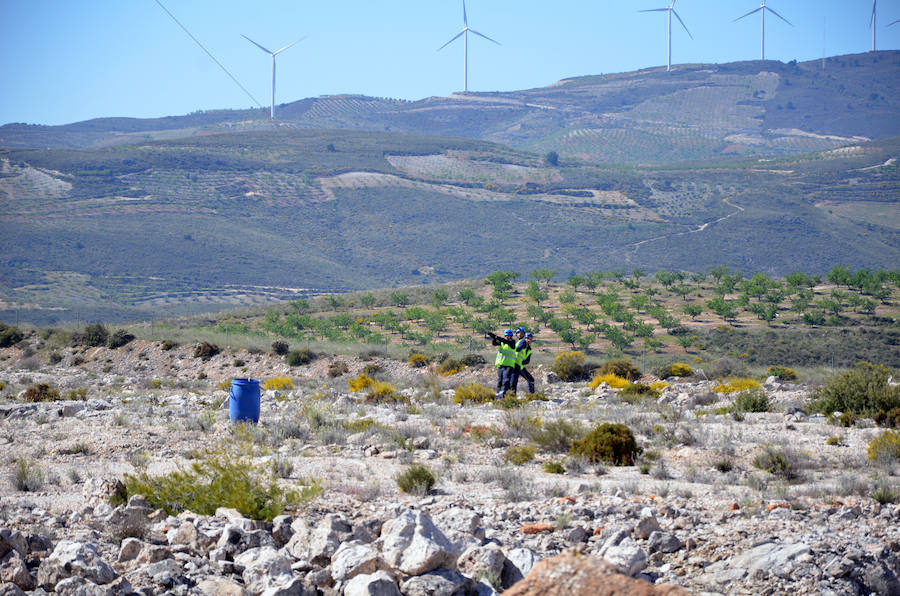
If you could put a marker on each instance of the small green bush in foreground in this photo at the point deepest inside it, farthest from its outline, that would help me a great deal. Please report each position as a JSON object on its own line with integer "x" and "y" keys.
{"x": 612, "y": 443}
{"x": 569, "y": 366}
{"x": 416, "y": 480}
{"x": 751, "y": 400}
{"x": 219, "y": 479}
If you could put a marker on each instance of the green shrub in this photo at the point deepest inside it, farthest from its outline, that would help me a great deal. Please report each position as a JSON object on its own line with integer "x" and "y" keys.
{"x": 372, "y": 369}
{"x": 511, "y": 401}
{"x": 612, "y": 443}
{"x": 27, "y": 475}
{"x": 889, "y": 419}
{"x": 450, "y": 366}
{"x": 300, "y": 357}
{"x": 95, "y": 335}
{"x": 569, "y": 366}
{"x": 9, "y": 336}
{"x": 416, "y": 480}
{"x": 473, "y": 393}
{"x": 519, "y": 454}
{"x": 556, "y": 435}
{"x": 554, "y": 467}
{"x": 885, "y": 447}
{"x": 885, "y": 495}
{"x": 168, "y": 345}
{"x": 281, "y": 348}
{"x": 621, "y": 368}
{"x": 835, "y": 441}
{"x": 473, "y": 360}
{"x": 220, "y": 479}
{"x": 41, "y": 392}
{"x": 119, "y": 338}
{"x": 676, "y": 369}
{"x": 863, "y": 391}
{"x": 417, "y": 360}
{"x": 338, "y": 368}
{"x": 55, "y": 358}
{"x": 751, "y": 400}
{"x": 778, "y": 461}
{"x": 384, "y": 393}
{"x": 206, "y": 350}
{"x": 637, "y": 392}
{"x": 782, "y": 372}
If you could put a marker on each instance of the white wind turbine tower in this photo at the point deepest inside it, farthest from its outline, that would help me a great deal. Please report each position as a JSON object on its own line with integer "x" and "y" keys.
{"x": 465, "y": 33}
{"x": 762, "y": 10}
{"x": 872, "y": 23}
{"x": 273, "y": 54}
{"x": 671, "y": 10}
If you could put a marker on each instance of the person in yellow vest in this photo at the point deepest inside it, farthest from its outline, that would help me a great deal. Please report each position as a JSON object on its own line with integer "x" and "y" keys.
{"x": 523, "y": 357}
{"x": 505, "y": 360}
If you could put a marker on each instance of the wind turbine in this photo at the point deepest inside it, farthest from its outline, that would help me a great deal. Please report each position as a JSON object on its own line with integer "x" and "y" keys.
{"x": 671, "y": 10}
{"x": 762, "y": 11}
{"x": 273, "y": 54}
{"x": 872, "y": 23}
{"x": 465, "y": 33}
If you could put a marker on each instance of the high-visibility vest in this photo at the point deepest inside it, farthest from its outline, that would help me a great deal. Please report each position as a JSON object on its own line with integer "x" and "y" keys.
{"x": 524, "y": 354}
{"x": 506, "y": 356}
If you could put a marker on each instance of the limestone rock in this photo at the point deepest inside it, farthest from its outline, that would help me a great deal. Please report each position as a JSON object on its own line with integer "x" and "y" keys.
{"x": 71, "y": 558}
{"x": 220, "y": 586}
{"x": 355, "y": 558}
{"x": 485, "y": 561}
{"x": 235, "y": 540}
{"x": 413, "y": 545}
{"x": 573, "y": 574}
{"x": 664, "y": 542}
{"x": 647, "y": 524}
{"x": 627, "y": 557}
{"x": 440, "y": 582}
{"x": 380, "y": 583}
{"x": 519, "y": 563}
{"x": 263, "y": 568}
{"x": 14, "y": 570}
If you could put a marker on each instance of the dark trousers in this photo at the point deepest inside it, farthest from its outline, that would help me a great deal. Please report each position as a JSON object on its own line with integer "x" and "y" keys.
{"x": 504, "y": 379}
{"x": 522, "y": 372}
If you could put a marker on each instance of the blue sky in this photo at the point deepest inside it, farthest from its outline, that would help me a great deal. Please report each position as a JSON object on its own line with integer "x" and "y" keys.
{"x": 66, "y": 61}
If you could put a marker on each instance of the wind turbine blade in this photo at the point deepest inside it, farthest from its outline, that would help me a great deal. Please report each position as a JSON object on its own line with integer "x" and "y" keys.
{"x": 256, "y": 44}
{"x": 682, "y": 23}
{"x": 872, "y": 22}
{"x": 465, "y": 18}
{"x": 455, "y": 37}
{"x": 779, "y": 16}
{"x": 290, "y": 45}
{"x": 894, "y": 22}
{"x": 655, "y": 10}
{"x": 748, "y": 14}
{"x": 485, "y": 36}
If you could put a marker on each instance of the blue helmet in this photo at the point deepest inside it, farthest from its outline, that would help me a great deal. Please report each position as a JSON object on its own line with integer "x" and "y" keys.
{"x": 520, "y": 330}
{"x": 529, "y": 335}
{"x": 508, "y": 332}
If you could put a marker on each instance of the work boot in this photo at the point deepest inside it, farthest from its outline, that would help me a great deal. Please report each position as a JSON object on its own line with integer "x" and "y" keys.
{"x": 531, "y": 388}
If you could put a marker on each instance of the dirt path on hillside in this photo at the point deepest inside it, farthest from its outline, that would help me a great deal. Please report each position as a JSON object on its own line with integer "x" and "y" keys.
{"x": 700, "y": 228}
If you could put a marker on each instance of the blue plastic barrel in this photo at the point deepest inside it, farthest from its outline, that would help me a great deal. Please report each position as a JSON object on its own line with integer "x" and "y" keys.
{"x": 244, "y": 400}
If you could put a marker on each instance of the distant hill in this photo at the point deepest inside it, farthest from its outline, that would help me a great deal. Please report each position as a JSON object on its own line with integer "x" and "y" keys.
{"x": 696, "y": 112}
{"x": 763, "y": 166}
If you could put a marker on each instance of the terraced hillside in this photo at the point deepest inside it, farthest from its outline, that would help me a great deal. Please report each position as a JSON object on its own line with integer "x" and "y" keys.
{"x": 223, "y": 220}
{"x": 697, "y": 112}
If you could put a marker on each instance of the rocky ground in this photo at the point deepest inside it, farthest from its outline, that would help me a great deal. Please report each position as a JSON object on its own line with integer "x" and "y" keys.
{"x": 695, "y": 511}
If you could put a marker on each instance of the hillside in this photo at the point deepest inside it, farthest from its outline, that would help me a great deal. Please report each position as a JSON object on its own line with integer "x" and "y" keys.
{"x": 238, "y": 218}
{"x": 128, "y": 219}
{"x": 696, "y": 112}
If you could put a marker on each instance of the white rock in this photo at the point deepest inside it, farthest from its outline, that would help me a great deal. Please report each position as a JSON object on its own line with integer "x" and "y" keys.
{"x": 380, "y": 583}
{"x": 355, "y": 558}
{"x": 71, "y": 558}
{"x": 627, "y": 557}
{"x": 263, "y": 567}
{"x": 413, "y": 545}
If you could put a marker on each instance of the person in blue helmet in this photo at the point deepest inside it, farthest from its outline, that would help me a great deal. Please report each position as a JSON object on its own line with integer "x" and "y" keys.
{"x": 523, "y": 357}
{"x": 505, "y": 360}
